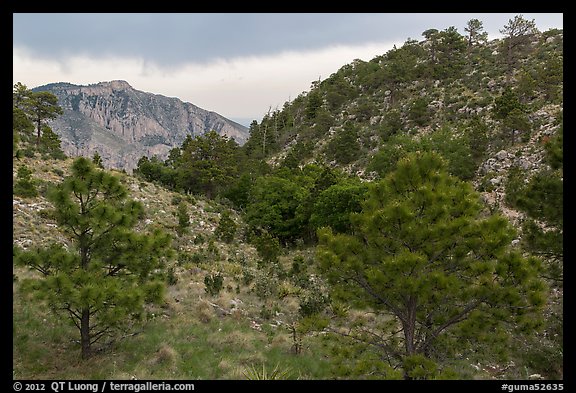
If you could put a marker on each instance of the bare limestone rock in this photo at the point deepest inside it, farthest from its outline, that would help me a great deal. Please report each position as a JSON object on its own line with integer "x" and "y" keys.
{"x": 123, "y": 124}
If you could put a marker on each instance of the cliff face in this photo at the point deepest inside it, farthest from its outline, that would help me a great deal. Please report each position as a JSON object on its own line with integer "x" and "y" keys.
{"x": 123, "y": 124}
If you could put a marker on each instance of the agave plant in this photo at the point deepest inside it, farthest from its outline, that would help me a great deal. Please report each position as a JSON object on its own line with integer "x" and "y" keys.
{"x": 255, "y": 374}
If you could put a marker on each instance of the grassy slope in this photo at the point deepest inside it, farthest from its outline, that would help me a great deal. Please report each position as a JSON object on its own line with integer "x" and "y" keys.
{"x": 192, "y": 335}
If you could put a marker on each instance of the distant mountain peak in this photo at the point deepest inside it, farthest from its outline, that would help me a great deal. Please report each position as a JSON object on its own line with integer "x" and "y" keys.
{"x": 116, "y": 84}
{"x": 123, "y": 124}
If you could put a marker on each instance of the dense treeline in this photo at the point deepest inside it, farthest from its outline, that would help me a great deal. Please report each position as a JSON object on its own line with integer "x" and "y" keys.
{"x": 289, "y": 203}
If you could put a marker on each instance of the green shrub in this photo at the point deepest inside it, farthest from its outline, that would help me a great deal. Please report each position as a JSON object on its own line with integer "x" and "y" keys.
{"x": 212, "y": 248}
{"x": 171, "y": 277}
{"x": 226, "y": 229}
{"x": 247, "y": 276}
{"x": 25, "y": 186}
{"x": 214, "y": 283}
{"x": 266, "y": 286}
{"x": 176, "y": 199}
{"x": 183, "y": 218}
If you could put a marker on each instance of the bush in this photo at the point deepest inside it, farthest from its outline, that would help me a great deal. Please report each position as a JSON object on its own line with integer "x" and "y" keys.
{"x": 183, "y": 258}
{"x": 226, "y": 229}
{"x": 247, "y": 276}
{"x": 212, "y": 249}
{"x": 47, "y": 214}
{"x": 58, "y": 172}
{"x": 29, "y": 152}
{"x": 171, "y": 276}
{"x": 313, "y": 303}
{"x": 268, "y": 247}
{"x": 197, "y": 258}
{"x": 176, "y": 199}
{"x": 214, "y": 283}
{"x": 25, "y": 187}
{"x": 266, "y": 287}
{"x": 183, "y": 218}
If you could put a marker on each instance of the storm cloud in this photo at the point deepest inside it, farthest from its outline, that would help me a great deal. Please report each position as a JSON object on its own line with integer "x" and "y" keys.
{"x": 157, "y": 52}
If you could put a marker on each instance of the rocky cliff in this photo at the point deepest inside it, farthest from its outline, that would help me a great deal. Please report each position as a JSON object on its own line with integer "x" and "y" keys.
{"x": 123, "y": 124}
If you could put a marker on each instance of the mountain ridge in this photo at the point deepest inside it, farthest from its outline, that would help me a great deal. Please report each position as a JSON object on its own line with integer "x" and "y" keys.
{"x": 123, "y": 124}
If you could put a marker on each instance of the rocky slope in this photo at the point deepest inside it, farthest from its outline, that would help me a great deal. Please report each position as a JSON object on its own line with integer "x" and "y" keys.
{"x": 411, "y": 92}
{"x": 360, "y": 117}
{"x": 123, "y": 124}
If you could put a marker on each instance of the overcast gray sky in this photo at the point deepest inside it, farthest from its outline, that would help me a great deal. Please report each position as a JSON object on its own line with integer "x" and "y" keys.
{"x": 238, "y": 65}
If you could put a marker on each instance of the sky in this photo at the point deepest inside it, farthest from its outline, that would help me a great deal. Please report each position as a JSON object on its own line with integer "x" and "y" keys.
{"x": 239, "y": 65}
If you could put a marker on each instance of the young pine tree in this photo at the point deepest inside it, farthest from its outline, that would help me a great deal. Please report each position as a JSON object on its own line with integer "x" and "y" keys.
{"x": 226, "y": 229}
{"x": 183, "y": 218}
{"x": 97, "y": 160}
{"x": 423, "y": 253}
{"x": 103, "y": 280}
{"x": 25, "y": 187}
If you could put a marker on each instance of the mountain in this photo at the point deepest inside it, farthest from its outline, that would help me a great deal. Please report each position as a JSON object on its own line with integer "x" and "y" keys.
{"x": 123, "y": 124}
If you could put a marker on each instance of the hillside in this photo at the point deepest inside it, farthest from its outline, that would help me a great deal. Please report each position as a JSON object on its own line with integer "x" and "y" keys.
{"x": 401, "y": 220}
{"x": 250, "y": 329}
{"x": 445, "y": 93}
{"x": 123, "y": 124}
{"x": 414, "y": 91}
{"x": 240, "y": 332}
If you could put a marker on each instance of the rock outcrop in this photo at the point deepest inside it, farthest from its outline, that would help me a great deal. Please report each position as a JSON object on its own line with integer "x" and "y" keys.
{"x": 123, "y": 124}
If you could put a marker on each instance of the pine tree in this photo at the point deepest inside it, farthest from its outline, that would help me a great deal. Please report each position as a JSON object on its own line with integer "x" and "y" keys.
{"x": 102, "y": 281}
{"x": 42, "y": 106}
{"x": 423, "y": 253}
{"x": 97, "y": 160}
{"x": 50, "y": 144}
{"x": 20, "y": 94}
{"x": 226, "y": 229}
{"x": 183, "y": 218}
{"x": 476, "y": 35}
{"x": 517, "y": 34}
{"x": 451, "y": 49}
{"x": 22, "y": 127}
{"x": 508, "y": 108}
{"x": 344, "y": 147}
{"x": 314, "y": 103}
{"x": 25, "y": 187}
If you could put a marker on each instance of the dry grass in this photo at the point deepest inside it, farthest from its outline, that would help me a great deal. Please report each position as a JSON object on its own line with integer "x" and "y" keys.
{"x": 191, "y": 335}
{"x": 165, "y": 355}
{"x": 241, "y": 340}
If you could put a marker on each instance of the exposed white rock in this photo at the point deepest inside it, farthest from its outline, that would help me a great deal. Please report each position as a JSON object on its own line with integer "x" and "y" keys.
{"x": 123, "y": 124}
{"x": 502, "y": 155}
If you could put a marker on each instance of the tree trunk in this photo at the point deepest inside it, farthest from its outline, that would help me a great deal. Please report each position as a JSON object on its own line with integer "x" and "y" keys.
{"x": 409, "y": 326}
{"x": 39, "y": 122}
{"x": 85, "y": 317}
{"x": 85, "y": 333}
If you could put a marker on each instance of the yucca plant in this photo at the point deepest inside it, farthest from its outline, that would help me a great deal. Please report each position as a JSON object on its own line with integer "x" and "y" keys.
{"x": 255, "y": 374}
